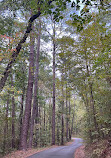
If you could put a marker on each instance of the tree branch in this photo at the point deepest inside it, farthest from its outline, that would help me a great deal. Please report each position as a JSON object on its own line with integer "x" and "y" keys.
{"x": 18, "y": 48}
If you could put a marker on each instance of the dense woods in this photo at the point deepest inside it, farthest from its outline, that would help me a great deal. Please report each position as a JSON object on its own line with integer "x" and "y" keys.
{"x": 55, "y": 72}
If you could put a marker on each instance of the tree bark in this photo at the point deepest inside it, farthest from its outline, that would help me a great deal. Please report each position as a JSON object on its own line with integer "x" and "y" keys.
{"x": 53, "y": 108}
{"x": 26, "y": 118}
{"x": 35, "y": 102}
{"x": 44, "y": 119}
{"x": 69, "y": 117}
{"x": 50, "y": 119}
{"x": 62, "y": 103}
{"x": 58, "y": 133}
{"x": 67, "y": 129}
{"x": 72, "y": 121}
{"x": 37, "y": 121}
{"x": 21, "y": 114}
{"x": 93, "y": 110}
{"x": 13, "y": 116}
{"x": 86, "y": 101}
{"x": 6, "y": 126}
{"x": 40, "y": 123}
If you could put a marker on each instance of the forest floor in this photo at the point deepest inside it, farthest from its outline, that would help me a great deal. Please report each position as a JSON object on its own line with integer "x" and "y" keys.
{"x": 100, "y": 149}
{"x": 24, "y": 154}
{"x": 80, "y": 152}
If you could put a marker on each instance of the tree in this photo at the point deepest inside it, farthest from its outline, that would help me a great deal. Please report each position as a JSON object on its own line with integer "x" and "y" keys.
{"x": 28, "y": 102}
{"x": 13, "y": 115}
{"x": 53, "y": 108}
{"x": 35, "y": 102}
{"x": 27, "y": 32}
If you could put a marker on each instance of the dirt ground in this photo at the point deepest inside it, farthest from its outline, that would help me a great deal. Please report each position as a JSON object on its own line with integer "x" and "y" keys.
{"x": 100, "y": 149}
{"x": 80, "y": 152}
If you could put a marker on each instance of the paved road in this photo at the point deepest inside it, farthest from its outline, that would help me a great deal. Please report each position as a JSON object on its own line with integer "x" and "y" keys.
{"x": 60, "y": 152}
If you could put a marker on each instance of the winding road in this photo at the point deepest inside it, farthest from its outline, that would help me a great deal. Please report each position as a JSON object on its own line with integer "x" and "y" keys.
{"x": 60, "y": 152}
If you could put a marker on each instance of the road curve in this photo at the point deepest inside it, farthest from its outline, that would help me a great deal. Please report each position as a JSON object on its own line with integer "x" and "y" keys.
{"x": 60, "y": 152}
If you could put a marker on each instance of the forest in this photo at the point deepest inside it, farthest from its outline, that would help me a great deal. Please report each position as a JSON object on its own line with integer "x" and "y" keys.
{"x": 55, "y": 74}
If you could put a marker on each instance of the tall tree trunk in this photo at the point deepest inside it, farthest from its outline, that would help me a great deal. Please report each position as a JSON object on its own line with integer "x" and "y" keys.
{"x": 44, "y": 119}
{"x": 50, "y": 120}
{"x": 6, "y": 126}
{"x": 37, "y": 122}
{"x": 13, "y": 116}
{"x": 44, "y": 127}
{"x": 40, "y": 129}
{"x": 21, "y": 114}
{"x": 73, "y": 120}
{"x": 35, "y": 102}
{"x": 69, "y": 117}
{"x": 53, "y": 108}
{"x": 86, "y": 101}
{"x": 26, "y": 118}
{"x": 94, "y": 110}
{"x": 62, "y": 102}
{"x": 66, "y": 115}
{"x": 58, "y": 133}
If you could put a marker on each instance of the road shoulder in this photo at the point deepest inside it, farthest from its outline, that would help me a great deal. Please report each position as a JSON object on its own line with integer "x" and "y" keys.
{"x": 29, "y": 152}
{"x": 80, "y": 152}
